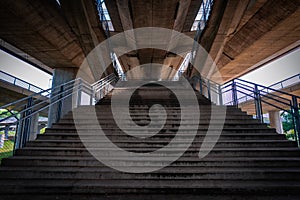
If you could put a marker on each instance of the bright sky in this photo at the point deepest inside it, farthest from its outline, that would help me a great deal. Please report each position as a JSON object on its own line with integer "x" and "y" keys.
{"x": 277, "y": 70}
{"x": 24, "y": 71}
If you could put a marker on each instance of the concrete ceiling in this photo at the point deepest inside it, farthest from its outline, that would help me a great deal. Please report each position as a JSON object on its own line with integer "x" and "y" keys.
{"x": 39, "y": 29}
{"x": 240, "y": 34}
{"x": 171, "y": 14}
{"x": 59, "y": 36}
{"x": 248, "y": 33}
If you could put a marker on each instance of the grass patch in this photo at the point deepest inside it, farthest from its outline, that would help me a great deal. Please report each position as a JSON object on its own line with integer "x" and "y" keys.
{"x": 42, "y": 131}
{"x": 7, "y": 150}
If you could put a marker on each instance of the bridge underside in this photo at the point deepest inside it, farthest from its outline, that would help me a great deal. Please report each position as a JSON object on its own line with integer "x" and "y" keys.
{"x": 240, "y": 35}
{"x": 248, "y": 35}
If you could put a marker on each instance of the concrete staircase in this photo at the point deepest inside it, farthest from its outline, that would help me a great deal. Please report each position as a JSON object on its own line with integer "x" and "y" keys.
{"x": 249, "y": 161}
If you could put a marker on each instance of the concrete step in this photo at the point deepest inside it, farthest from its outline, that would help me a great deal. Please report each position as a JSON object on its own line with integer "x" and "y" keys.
{"x": 167, "y": 170}
{"x": 167, "y": 126}
{"x": 166, "y": 136}
{"x": 224, "y": 152}
{"x": 187, "y": 129}
{"x": 133, "y": 107}
{"x": 94, "y": 124}
{"x": 146, "y": 113}
{"x": 144, "y": 107}
{"x": 148, "y": 186}
{"x": 249, "y": 160}
{"x": 170, "y": 121}
{"x": 278, "y": 174}
{"x": 228, "y": 194}
{"x": 170, "y": 117}
{"x": 183, "y": 162}
{"x": 161, "y": 144}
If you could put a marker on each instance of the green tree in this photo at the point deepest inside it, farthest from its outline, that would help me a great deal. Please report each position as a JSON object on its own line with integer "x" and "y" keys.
{"x": 5, "y": 113}
{"x": 287, "y": 121}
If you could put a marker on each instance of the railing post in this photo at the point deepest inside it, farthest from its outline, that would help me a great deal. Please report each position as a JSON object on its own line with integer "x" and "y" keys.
{"x": 208, "y": 90}
{"x": 59, "y": 106}
{"x": 220, "y": 95}
{"x": 234, "y": 94}
{"x": 23, "y": 130}
{"x": 101, "y": 90}
{"x": 258, "y": 106}
{"x": 295, "y": 113}
{"x": 79, "y": 93}
{"x": 201, "y": 85}
{"x": 92, "y": 94}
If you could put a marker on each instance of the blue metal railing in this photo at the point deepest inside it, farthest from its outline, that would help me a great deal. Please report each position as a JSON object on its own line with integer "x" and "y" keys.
{"x": 239, "y": 92}
{"x": 286, "y": 82}
{"x": 19, "y": 82}
{"x": 52, "y": 99}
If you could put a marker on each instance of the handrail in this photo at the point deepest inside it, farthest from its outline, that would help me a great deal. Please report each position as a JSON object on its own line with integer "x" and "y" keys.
{"x": 265, "y": 87}
{"x": 15, "y": 79}
{"x": 29, "y": 106}
{"x": 284, "y": 80}
{"x": 258, "y": 93}
{"x": 243, "y": 86}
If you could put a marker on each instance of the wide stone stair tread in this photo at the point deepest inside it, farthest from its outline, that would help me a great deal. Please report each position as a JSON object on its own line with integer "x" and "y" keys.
{"x": 249, "y": 160}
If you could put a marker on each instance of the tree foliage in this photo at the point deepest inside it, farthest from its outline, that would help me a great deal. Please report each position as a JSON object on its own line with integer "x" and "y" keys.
{"x": 5, "y": 113}
{"x": 287, "y": 121}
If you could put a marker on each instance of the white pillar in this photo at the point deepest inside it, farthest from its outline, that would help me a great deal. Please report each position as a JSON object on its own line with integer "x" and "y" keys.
{"x": 275, "y": 121}
{"x": 34, "y": 124}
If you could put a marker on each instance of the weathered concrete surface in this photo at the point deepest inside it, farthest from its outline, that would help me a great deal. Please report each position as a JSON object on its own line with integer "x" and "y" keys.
{"x": 240, "y": 36}
{"x": 250, "y": 33}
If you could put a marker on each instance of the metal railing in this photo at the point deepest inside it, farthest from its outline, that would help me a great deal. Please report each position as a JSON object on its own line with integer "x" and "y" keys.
{"x": 286, "y": 82}
{"x": 240, "y": 92}
{"x": 19, "y": 82}
{"x": 51, "y": 103}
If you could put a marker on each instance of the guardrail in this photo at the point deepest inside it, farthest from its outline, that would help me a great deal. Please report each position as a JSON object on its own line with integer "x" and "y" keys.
{"x": 240, "y": 91}
{"x": 19, "y": 82}
{"x": 52, "y": 101}
{"x": 286, "y": 82}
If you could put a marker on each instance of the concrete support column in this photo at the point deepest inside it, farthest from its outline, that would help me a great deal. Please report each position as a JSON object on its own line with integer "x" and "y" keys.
{"x": 57, "y": 110}
{"x": 275, "y": 121}
{"x": 34, "y": 123}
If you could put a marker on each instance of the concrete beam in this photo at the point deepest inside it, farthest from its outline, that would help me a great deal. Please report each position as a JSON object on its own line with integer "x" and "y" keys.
{"x": 85, "y": 23}
{"x": 190, "y": 14}
{"x": 39, "y": 29}
{"x": 114, "y": 14}
{"x": 274, "y": 27}
{"x": 224, "y": 20}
